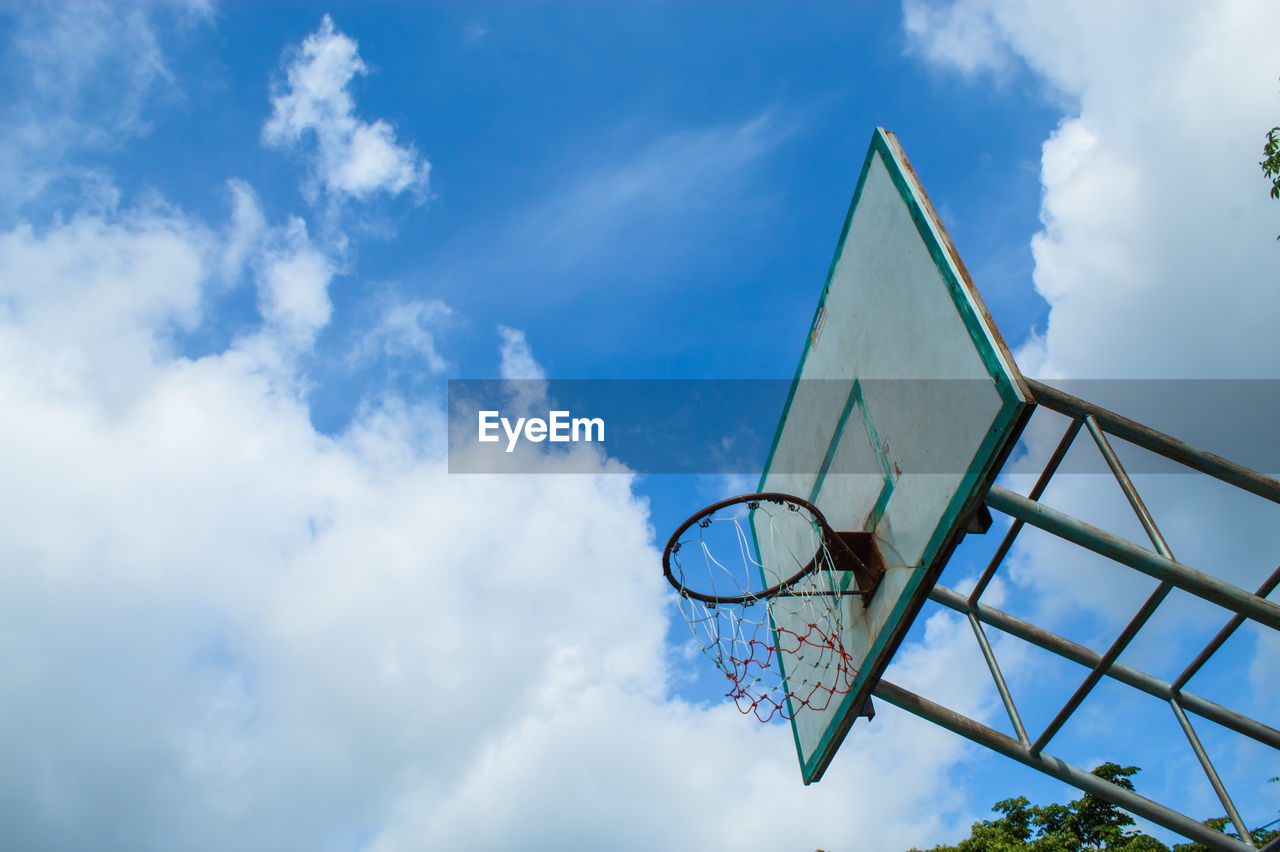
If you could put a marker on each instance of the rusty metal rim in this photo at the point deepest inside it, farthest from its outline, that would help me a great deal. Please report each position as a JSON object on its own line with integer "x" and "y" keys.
{"x": 673, "y": 544}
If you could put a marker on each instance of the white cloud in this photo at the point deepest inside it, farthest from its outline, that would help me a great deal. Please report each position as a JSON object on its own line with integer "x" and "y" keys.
{"x": 245, "y": 234}
{"x": 1156, "y": 255}
{"x": 224, "y": 629}
{"x": 353, "y": 158}
{"x": 220, "y": 628}
{"x": 962, "y": 35}
{"x": 1158, "y": 235}
{"x": 679, "y": 777}
{"x": 293, "y": 283}
{"x": 406, "y": 328}
{"x": 272, "y": 600}
{"x": 528, "y": 379}
{"x": 517, "y": 357}
{"x": 85, "y": 77}
{"x": 102, "y": 298}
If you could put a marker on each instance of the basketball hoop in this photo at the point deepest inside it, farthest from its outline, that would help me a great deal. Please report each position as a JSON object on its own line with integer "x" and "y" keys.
{"x": 766, "y": 585}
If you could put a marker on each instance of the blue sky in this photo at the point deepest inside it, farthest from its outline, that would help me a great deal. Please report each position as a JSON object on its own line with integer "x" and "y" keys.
{"x": 683, "y": 137}
{"x": 244, "y": 246}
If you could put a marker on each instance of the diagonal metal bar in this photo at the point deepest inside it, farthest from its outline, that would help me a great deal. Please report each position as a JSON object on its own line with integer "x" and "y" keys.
{"x": 1091, "y": 680}
{"x": 1127, "y": 486}
{"x": 1003, "y": 744}
{"x": 1042, "y": 482}
{"x": 1005, "y": 695}
{"x": 1207, "y": 766}
{"x": 1268, "y": 586}
{"x": 1089, "y": 658}
{"x": 1127, "y": 553}
{"x": 1158, "y": 442}
{"x": 1148, "y": 609}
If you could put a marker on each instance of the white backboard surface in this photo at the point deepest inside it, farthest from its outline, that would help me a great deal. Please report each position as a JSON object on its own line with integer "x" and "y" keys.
{"x": 905, "y": 403}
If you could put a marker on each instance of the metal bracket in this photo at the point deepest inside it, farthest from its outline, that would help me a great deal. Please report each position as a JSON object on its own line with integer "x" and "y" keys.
{"x": 861, "y": 557}
{"x": 979, "y": 521}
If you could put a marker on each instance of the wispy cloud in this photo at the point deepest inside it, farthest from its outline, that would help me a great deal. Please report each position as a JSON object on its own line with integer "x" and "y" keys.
{"x": 313, "y": 107}
{"x": 678, "y": 174}
{"x": 293, "y": 283}
{"x": 517, "y": 358}
{"x": 647, "y": 204}
{"x": 964, "y": 36}
{"x": 82, "y": 79}
{"x": 405, "y": 328}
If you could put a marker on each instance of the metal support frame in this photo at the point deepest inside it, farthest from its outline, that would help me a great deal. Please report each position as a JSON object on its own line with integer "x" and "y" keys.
{"x": 973, "y": 730}
{"x": 1157, "y": 562}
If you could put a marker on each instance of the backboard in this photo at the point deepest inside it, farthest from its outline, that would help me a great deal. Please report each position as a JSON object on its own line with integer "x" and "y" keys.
{"x": 902, "y": 410}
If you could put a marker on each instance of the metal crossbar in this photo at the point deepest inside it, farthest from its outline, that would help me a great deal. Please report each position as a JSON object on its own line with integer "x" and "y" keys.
{"x": 1148, "y": 609}
{"x": 1158, "y": 442}
{"x": 1159, "y": 563}
{"x": 1003, "y": 744}
{"x": 1225, "y": 633}
{"x": 1125, "y": 674}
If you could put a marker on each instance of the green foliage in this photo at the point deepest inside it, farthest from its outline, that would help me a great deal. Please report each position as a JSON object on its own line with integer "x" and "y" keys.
{"x": 1085, "y": 824}
{"x": 1270, "y": 161}
{"x": 1260, "y": 836}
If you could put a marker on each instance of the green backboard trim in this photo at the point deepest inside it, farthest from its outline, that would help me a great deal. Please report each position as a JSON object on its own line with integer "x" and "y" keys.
{"x": 855, "y": 399}
{"x": 942, "y": 262}
{"x": 882, "y": 458}
{"x": 834, "y": 444}
{"x": 1006, "y": 430}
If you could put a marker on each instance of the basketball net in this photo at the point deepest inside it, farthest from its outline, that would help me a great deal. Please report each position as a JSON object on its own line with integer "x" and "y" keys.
{"x": 760, "y": 593}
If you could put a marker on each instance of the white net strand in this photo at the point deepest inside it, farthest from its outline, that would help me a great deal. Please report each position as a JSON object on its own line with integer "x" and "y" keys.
{"x": 782, "y": 653}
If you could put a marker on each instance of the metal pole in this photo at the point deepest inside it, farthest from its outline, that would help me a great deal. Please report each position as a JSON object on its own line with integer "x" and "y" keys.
{"x": 1126, "y": 674}
{"x": 990, "y": 738}
{"x": 1148, "y": 608}
{"x": 1091, "y": 679}
{"x": 1267, "y": 587}
{"x": 1042, "y": 482}
{"x": 1127, "y": 553}
{"x": 1126, "y": 485}
{"x": 1207, "y": 765}
{"x": 1158, "y": 442}
{"x": 998, "y": 677}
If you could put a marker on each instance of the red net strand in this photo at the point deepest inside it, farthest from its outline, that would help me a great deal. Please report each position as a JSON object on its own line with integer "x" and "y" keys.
{"x": 785, "y": 655}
